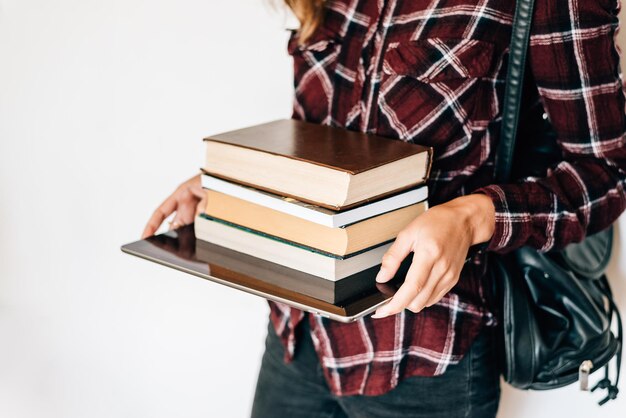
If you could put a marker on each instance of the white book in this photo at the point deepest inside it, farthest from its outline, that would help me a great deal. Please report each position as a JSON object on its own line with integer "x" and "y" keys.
{"x": 314, "y": 213}
{"x": 288, "y": 255}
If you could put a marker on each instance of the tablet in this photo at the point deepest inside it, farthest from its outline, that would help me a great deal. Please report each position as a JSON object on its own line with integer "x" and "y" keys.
{"x": 345, "y": 300}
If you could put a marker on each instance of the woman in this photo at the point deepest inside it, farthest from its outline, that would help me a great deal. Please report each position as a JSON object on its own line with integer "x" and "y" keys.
{"x": 432, "y": 72}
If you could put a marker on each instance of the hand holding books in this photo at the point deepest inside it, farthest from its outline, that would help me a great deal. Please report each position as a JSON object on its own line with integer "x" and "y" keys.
{"x": 439, "y": 240}
{"x": 324, "y": 202}
{"x": 188, "y": 200}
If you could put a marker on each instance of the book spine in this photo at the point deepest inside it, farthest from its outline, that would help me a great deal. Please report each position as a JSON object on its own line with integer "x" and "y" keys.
{"x": 292, "y": 243}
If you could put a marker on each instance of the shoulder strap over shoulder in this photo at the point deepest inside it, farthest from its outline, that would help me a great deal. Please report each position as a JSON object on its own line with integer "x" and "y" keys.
{"x": 518, "y": 49}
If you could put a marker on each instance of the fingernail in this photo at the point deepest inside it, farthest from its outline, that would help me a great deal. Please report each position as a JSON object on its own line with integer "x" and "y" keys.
{"x": 379, "y": 276}
{"x": 379, "y": 315}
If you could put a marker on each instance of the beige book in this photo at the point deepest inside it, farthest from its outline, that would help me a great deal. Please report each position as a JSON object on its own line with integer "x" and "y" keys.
{"x": 341, "y": 241}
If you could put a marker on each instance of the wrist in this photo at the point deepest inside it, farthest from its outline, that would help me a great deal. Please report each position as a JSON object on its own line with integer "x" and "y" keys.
{"x": 479, "y": 214}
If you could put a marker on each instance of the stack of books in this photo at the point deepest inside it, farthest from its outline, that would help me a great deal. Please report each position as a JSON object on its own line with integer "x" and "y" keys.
{"x": 323, "y": 201}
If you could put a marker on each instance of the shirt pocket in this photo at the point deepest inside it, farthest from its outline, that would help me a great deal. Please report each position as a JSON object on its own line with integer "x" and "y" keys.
{"x": 438, "y": 92}
{"x": 314, "y": 65}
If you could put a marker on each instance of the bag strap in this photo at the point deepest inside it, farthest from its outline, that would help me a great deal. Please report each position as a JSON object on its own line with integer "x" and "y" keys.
{"x": 606, "y": 383}
{"x": 518, "y": 50}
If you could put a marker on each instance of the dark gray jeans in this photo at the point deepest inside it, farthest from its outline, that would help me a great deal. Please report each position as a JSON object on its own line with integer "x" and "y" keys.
{"x": 298, "y": 390}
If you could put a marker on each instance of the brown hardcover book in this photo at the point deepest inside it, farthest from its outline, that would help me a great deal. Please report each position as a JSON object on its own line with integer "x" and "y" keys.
{"x": 330, "y": 167}
{"x": 339, "y": 241}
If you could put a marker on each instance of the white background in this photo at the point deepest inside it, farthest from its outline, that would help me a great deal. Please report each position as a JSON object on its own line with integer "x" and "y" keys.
{"x": 102, "y": 108}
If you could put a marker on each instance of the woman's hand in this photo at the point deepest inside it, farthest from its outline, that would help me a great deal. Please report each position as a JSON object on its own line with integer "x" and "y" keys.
{"x": 439, "y": 240}
{"x": 187, "y": 201}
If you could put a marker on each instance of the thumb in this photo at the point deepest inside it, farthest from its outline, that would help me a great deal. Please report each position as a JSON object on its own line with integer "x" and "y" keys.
{"x": 197, "y": 191}
{"x": 201, "y": 206}
{"x": 392, "y": 259}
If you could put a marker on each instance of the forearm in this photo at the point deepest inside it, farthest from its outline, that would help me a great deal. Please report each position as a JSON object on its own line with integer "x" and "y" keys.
{"x": 576, "y": 71}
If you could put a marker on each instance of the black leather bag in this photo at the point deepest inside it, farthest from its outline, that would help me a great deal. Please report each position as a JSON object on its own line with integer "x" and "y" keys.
{"x": 556, "y": 309}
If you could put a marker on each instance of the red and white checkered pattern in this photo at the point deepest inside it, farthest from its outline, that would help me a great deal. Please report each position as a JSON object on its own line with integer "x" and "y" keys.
{"x": 432, "y": 72}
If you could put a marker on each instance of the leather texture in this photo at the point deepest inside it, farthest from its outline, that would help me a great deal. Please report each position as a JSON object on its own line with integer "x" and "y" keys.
{"x": 552, "y": 320}
{"x": 513, "y": 95}
{"x": 556, "y": 309}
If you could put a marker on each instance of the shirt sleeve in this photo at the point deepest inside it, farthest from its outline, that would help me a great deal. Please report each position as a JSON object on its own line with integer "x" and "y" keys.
{"x": 575, "y": 63}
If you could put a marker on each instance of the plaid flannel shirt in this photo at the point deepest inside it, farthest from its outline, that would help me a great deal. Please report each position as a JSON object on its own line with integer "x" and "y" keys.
{"x": 433, "y": 72}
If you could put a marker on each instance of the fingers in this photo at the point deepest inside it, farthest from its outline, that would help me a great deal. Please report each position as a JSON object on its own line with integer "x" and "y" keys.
{"x": 419, "y": 302}
{"x": 439, "y": 240}
{"x": 440, "y": 291}
{"x": 201, "y": 206}
{"x": 197, "y": 191}
{"x": 422, "y": 288}
{"x": 394, "y": 256}
{"x": 159, "y": 215}
{"x": 184, "y": 201}
{"x": 443, "y": 287}
{"x": 186, "y": 209}
{"x": 415, "y": 281}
